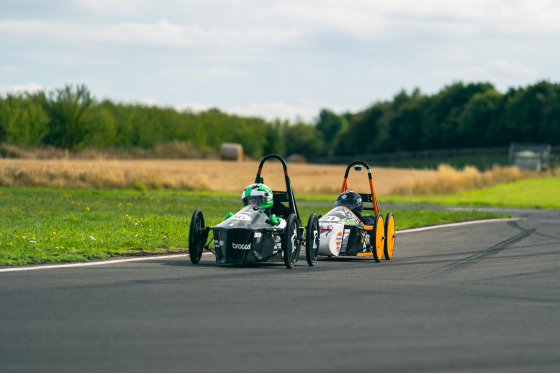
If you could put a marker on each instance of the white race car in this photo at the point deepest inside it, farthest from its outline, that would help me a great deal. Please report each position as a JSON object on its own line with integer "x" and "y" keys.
{"x": 345, "y": 232}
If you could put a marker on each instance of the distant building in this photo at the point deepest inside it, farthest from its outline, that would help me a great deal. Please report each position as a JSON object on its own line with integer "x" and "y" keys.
{"x": 529, "y": 156}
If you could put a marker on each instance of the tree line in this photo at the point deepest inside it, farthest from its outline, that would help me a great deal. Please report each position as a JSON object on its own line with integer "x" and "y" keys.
{"x": 460, "y": 115}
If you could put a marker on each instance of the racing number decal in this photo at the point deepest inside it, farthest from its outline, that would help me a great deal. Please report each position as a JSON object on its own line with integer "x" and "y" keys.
{"x": 330, "y": 219}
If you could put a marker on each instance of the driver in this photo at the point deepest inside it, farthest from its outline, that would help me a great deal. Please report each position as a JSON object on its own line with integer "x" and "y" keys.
{"x": 260, "y": 195}
{"x": 353, "y": 201}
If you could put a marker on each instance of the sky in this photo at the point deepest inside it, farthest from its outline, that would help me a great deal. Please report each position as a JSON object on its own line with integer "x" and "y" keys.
{"x": 274, "y": 59}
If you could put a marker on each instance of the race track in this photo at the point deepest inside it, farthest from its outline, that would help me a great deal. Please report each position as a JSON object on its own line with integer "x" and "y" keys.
{"x": 483, "y": 297}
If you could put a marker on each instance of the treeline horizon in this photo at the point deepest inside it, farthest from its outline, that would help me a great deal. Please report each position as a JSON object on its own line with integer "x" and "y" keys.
{"x": 458, "y": 116}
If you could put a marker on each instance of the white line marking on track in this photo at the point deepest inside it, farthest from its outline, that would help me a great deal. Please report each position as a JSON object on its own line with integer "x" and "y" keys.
{"x": 108, "y": 262}
{"x": 42, "y": 267}
{"x": 454, "y": 225}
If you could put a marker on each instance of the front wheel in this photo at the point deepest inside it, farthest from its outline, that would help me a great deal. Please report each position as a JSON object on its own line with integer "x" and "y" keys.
{"x": 389, "y": 236}
{"x": 290, "y": 241}
{"x": 312, "y": 239}
{"x": 196, "y": 236}
{"x": 378, "y": 238}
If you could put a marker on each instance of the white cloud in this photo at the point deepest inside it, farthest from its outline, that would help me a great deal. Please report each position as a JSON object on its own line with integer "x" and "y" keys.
{"x": 304, "y": 109}
{"x": 159, "y": 33}
{"x": 20, "y": 88}
{"x": 269, "y": 110}
{"x": 193, "y": 72}
{"x": 489, "y": 72}
{"x": 254, "y": 58}
{"x": 10, "y": 69}
{"x": 148, "y": 101}
{"x": 70, "y": 59}
{"x": 387, "y": 70}
{"x": 377, "y": 19}
{"x": 512, "y": 69}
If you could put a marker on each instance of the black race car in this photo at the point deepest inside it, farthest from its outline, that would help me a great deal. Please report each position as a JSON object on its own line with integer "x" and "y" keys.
{"x": 255, "y": 233}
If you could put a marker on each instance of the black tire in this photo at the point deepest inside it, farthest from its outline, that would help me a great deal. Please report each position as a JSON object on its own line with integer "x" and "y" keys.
{"x": 389, "y": 246}
{"x": 312, "y": 239}
{"x": 378, "y": 235}
{"x": 290, "y": 241}
{"x": 196, "y": 236}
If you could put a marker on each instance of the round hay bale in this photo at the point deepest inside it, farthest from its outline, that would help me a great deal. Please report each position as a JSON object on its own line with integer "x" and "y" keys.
{"x": 296, "y": 158}
{"x": 231, "y": 152}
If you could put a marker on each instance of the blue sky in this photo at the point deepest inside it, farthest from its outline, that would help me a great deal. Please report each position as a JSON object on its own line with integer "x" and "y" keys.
{"x": 274, "y": 59}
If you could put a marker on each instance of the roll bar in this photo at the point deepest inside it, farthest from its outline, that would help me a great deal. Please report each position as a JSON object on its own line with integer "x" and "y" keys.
{"x": 289, "y": 191}
{"x": 366, "y": 197}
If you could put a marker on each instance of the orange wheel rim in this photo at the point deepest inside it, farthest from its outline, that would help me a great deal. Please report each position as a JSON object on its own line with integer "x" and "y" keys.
{"x": 379, "y": 240}
{"x": 390, "y": 236}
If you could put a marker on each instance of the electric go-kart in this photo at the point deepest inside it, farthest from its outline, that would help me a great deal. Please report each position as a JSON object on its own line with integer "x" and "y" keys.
{"x": 345, "y": 232}
{"x": 255, "y": 234}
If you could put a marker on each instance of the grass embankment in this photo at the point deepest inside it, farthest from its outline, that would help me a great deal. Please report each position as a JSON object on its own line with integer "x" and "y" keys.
{"x": 526, "y": 193}
{"x": 40, "y": 225}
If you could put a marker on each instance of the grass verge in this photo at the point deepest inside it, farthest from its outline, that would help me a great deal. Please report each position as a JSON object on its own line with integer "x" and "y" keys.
{"x": 526, "y": 193}
{"x": 41, "y": 225}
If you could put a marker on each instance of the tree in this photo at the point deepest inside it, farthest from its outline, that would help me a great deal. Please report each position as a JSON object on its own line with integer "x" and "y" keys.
{"x": 68, "y": 109}
{"x": 303, "y": 139}
{"x": 477, "y": 119}
{"x": 22, "y": 120}
{"x": 330, "y": 125}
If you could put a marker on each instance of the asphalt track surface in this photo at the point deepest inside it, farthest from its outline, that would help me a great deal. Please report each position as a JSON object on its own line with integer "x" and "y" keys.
{"x": 479, "y": 298}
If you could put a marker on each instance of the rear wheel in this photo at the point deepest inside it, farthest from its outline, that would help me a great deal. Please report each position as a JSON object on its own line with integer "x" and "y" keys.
{"x": 312, "y": 239}
{"x": 389, "y": 236}
{"x": 378, "y": 238}
{"x": 290, "y": 241}
{"x": 196, "y": 236}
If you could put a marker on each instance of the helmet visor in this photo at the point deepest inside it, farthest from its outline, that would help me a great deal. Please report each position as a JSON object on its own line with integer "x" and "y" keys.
{"x": 254, "y": 200}
{"x": 349, "y": 203}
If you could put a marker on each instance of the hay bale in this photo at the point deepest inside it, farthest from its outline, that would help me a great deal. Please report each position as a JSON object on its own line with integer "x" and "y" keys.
{"x": 231, "y": 152}
{"x": 296, "y": 158}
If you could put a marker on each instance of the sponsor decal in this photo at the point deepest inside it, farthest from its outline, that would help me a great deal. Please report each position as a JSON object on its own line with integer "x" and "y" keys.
{"x": 241, "y": 246}
{"x": 219, "y": 243}
{"x": 277, "y": 242}
{"x": 241, "y": 217}
{"x": 258, "y": 234}
{"x": 343, "y": 197}
{"x": 325, "y": 229}
{"x": 338, "y": 239}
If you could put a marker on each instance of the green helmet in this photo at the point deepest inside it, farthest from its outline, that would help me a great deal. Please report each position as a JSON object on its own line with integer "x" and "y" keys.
{"x": 257, "y": 194}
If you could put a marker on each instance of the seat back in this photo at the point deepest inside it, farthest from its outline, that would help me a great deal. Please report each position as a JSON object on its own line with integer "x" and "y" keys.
{"x": 278, "y": 208}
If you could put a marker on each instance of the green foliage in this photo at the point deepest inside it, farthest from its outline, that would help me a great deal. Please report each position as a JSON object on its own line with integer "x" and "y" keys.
{"x": 331, "y": 126}
{"x": 459, "y": 116}
{"x": 22, "y": 120}
{"x": 68, "y": 112}
{"x": 303, "y": 139}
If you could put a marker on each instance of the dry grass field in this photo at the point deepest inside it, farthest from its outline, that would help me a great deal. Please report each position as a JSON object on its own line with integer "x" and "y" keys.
{"x": 211, "y": 175}
{"x": 229, "y": 176}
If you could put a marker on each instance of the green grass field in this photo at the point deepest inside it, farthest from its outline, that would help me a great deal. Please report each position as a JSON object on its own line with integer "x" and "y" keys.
{"x": 525, "y": 193}
{"x": 40, "y": 225}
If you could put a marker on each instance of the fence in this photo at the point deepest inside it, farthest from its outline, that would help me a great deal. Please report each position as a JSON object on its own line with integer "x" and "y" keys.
{"x": 432, "y": 155}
